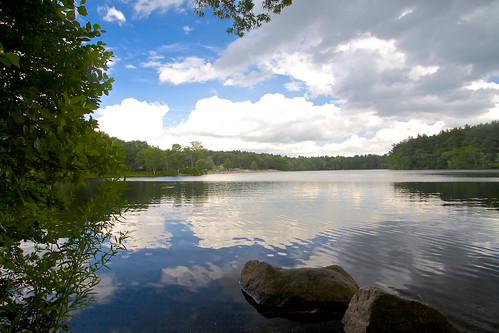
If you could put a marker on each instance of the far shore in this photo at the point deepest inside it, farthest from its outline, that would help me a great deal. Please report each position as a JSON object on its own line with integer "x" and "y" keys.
{"x": 224, "y": 172}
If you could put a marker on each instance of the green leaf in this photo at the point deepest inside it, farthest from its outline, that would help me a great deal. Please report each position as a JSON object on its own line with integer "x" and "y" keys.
{"x": 71, "y": 15}
{"x": 77, "y": 99}
{"x": 82, "y": 11}
{"x": 9, "y": 58}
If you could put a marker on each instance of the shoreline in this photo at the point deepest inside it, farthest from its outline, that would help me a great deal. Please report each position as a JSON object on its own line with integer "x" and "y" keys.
{"x": 227, "y": 172}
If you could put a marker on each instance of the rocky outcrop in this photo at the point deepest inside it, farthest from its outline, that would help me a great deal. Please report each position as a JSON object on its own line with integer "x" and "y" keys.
{"x": 280, "y": 292}
{"x": 374, "y": 310}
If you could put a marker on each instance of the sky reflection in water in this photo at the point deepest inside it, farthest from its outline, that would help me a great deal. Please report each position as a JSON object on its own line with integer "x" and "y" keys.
{"x": 423, "y": 235}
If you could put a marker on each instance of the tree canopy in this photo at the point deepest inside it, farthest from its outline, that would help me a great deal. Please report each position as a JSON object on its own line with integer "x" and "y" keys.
{"x": 51, "y": 79}
{"x": 470, "y": 147}
{"x": 243, "y": 14}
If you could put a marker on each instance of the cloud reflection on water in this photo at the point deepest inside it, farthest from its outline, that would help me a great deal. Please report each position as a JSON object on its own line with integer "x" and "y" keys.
{"x": 413, "y": 238}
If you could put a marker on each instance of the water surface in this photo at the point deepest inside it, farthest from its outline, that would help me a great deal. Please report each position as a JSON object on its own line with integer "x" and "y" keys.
{"x": 426, "y": 235}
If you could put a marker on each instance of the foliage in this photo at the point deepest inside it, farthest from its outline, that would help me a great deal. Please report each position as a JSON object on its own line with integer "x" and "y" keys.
{"x": 51, "y": 81}
{"x": 182, "y": 160}
{"x": 471, "y": 147}
{"x": 241, "y": 12}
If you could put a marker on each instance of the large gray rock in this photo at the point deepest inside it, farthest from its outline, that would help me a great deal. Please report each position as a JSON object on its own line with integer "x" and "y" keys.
{"x": 279, "y": 292}
{"x": 374, "y": 310}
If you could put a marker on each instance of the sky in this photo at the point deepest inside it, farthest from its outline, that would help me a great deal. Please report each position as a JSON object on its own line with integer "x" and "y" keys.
{"x": 325, "y": 77}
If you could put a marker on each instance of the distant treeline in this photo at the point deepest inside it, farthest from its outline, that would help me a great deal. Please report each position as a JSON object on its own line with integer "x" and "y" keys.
{"x": 460, "y": 148}
{"x": 471, "y": 147}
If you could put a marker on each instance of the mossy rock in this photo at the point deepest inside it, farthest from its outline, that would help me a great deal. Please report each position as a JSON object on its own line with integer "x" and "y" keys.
{"x": 373, "y": 310}
{"x": 297, "y": 293}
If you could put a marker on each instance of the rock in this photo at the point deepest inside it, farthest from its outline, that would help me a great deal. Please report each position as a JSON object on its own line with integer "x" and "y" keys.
{"x": 296, "y": 292}
{"x": 374, "y": 310}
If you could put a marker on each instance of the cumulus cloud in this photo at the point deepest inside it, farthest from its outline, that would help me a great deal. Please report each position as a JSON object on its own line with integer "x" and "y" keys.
{"x": 387, "y": 57}
{"x": 133, "y": 120}
{"x": 111, "y": 14}
{"x": 143, "y": 8}
{"x": 188, "y": 70}
{"x": 275, "y": 124}
{"x": 391, "y": 69}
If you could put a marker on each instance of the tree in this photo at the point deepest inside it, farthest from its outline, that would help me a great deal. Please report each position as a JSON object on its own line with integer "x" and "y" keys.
{"x": 155, "y": 159}
{"x": 241, "y": 12}
{"x": 194, "y": 152}
{"x": 131, "y": 150}
{"x": 51, "y": 81}
{"x": 254, "y": 166}
{"x": 205, "y": 163}
{"x": 471, "y": 147}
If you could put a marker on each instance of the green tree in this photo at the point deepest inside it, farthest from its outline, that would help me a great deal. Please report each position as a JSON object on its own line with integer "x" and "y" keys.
{"x": 458, "y": 148}
{"x": 241, "y": 12}
{"x": 194, "y": 152}
{"x": 205, "y": 163}
{"x": 51, "y": 81}
{"x": 254, "y": 166}
{"x": 228, "y": 164}
{"x": 154, "y": 159}
{"x": 131, "y": 150}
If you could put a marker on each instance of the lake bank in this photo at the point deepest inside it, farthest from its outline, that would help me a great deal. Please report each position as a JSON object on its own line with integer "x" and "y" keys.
{"x": 234, "y": 171}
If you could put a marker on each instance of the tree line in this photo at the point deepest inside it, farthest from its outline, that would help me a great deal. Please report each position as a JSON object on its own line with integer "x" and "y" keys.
{"x": 195, "y": 159}
{"x": 470, "y": 147}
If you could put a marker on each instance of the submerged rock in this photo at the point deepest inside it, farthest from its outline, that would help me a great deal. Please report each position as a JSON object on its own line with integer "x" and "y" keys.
{"x": 298, "y": 292}
{"x": 374, "y": 310}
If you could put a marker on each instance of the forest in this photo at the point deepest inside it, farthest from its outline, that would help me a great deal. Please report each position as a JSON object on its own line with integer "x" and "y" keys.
{"x": 468, "y": 147}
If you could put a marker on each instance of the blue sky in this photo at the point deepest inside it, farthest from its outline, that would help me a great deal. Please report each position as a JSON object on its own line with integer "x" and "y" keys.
{"x": 326, "y": 77}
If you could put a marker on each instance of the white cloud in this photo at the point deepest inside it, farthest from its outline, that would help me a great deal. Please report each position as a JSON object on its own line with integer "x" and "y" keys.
{"x": 398, "y": 71}
{"x": 191, "y": 69}
{"x": 482, "y": 84}
{"x": 397, "y": 131}
{"x": 294, "y": 86}
{"x": 274, "y": 118}
{"x": 384, "y": 52}
{"x": 111, "y": 14}
{"x": 143, "y": 8}
{"x": 133, "y": 120}
{"x": 383, "y": 57}
{"x": 405, "y": 12}
{"x": 187, "y": 29}
{"x": 418, "y": 72}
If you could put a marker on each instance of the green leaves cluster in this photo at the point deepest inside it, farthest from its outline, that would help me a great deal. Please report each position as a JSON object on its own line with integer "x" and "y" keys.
{"x": 241, "y": 12}
{"x": 471, "y": 147}
{"x": 51, "y": 81}
{"x": 139, "y": 156}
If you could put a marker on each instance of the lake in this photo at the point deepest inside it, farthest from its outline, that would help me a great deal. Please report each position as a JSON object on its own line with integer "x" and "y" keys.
{"x": 426, "y": 235}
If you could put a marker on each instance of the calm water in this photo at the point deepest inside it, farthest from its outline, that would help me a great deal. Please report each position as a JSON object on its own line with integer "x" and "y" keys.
{"x": 431, "y": 236}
